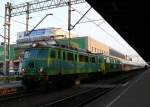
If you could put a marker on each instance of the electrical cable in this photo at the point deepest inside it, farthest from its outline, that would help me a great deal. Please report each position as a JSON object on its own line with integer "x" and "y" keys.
{"x": 17, "y": 21}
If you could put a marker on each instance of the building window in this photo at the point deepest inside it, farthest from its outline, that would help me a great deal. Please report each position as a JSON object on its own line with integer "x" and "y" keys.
{"x": 92, "y": 49}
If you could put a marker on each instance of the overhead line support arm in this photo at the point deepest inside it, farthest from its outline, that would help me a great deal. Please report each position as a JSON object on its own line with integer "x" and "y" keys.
{"x": 40, "y": 5}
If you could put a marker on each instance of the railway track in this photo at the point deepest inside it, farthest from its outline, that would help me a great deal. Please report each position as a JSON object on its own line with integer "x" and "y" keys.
{"x": 79, "y": 99}
{"x": 15, "y": 95}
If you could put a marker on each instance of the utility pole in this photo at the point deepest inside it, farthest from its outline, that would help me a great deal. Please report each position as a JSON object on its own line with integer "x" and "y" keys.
{"x": 27, "y": 16}
{"x": 69, "y": 19}
{"x": 70, "y": 26}
{"x": 5, "y": 29}
{"x": 8, "y": 10}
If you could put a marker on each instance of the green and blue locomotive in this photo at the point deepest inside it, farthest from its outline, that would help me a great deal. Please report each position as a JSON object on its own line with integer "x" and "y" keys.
{"x": 55, "y": 63}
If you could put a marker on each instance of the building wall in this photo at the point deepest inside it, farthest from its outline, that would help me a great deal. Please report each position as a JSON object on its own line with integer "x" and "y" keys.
{"x": 59, "y": 33}
{"x": 97, "y": 47}
{"x": 12, "y": 53}
{"x": 115, "y": 53}
{"x": 77, "y": 42}
{"x": 87, "y": 43}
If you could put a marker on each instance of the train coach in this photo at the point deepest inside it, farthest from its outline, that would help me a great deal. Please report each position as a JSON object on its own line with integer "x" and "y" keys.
{"x": 53, "y": 64}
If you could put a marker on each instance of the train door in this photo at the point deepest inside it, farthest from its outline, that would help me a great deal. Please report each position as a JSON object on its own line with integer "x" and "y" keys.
{"x": 102, "y": 64}
{"x": 107, "y": 64}
{"x": 53, "y": 64}
{"x": 59, "y": 61}
{"x": 67, "y": 62}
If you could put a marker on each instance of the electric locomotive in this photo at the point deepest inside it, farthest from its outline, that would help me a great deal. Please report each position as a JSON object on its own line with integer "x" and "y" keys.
{"x": 51, "y": 64}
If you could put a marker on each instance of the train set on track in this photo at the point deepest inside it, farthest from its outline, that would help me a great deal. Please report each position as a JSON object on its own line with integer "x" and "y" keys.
{"x": 54, "y": 64}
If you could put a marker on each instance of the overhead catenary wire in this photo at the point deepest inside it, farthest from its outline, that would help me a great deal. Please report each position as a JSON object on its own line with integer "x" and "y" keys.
{"x": 102, "y": 29}
{"x": 98, "y": 25}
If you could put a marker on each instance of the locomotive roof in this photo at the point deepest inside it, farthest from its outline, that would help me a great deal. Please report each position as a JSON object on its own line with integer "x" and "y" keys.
{"x": 59, "y": 46}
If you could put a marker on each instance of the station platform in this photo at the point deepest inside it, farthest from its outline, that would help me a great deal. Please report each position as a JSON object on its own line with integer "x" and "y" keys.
{"x": 135, "y": 93}
{"x": 11, "y": 84}
{"x": 11, "y": 87}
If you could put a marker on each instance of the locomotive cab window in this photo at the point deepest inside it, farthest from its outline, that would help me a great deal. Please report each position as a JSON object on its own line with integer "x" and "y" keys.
{"x": 33, "y": 53}
{"x": 64, "y": 56}
{"x": 42, "y": 53}
{"x": 59, "y": 54}
{"x": 27, "y": 54}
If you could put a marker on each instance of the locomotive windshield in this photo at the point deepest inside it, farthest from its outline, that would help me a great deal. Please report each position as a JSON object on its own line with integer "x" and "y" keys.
{"x": 27, "y": 54}
{"x": 36, "y": 53}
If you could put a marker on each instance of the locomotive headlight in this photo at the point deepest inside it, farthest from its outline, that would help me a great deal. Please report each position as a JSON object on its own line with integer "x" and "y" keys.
{"x": 34, "y": 45}
{"x": 22, "y": 70}
{"x": 41, "y": 69}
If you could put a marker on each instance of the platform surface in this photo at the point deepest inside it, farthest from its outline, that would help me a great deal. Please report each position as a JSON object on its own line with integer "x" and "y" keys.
{"x": 136, "y": 93}
{"x": 10, "y": 84}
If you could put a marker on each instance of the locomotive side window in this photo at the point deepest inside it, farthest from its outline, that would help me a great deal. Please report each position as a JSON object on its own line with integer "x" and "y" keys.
{"x": 86, "y": 58}
{"x": 76, "y": 57}
{"x": 107, "y": 60}
{"x": 81, "y": 58}
{"x": 93, "y": 59}
{"x": 59, "y": 54}
{"x": 100, "y": 59}
{"x": 53, "y": 54}
{"x": 64, "y": 56}
{"x": 70, "y": 56}
{"x": 115, "y": 60}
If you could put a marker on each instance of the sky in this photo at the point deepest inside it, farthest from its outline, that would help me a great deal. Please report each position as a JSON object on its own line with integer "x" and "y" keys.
{"x": 99, "y": 30}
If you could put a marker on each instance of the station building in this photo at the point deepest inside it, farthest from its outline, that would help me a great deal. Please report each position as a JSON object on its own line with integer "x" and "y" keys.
{"x": 113, "y": 52}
